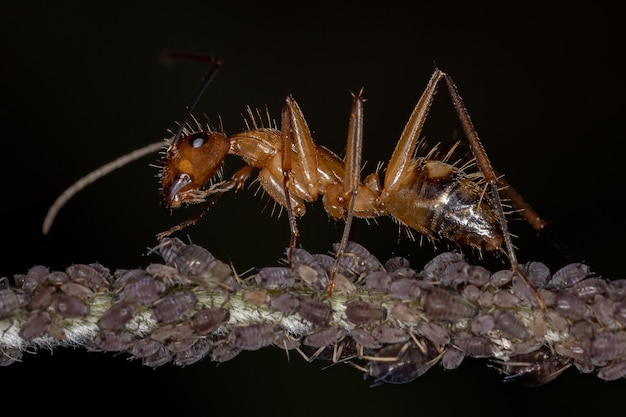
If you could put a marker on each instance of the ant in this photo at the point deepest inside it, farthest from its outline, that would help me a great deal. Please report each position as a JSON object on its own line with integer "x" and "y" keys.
{"x": 439, "y": 200}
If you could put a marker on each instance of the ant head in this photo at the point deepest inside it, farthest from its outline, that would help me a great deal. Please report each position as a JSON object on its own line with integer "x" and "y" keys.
{"x": 190, "y": 162}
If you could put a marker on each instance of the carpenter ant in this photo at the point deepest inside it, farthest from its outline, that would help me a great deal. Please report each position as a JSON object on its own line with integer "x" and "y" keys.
{"x": 439, "y": 200}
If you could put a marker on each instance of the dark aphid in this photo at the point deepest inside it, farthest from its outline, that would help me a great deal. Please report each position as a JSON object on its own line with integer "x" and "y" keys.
{"x": 88, "y": 275}
{"x": 400, "y": 363}
{"x": 35, "y": 276}
{"x": 117, "y": 316}
{"x": 510, "y": 325}
{"x": 324, "y": 337}
{"x": 403, "y": 273}
{"x": 208, "y": 320}
{"x": 275, "y": 277}
{"x": 145, "y": 347}
{"x": 286, "y": 341}
{"x": 501, "y": 278}
{"x": 378, "y": 280}
{"x": 361, "y": 312}
{"x": 170, "y": 332}
{"x": 535, "y": 368}
{"x": 43, "y": 296}
{"x": 435, "y": 268}
{"x": 404, "y": 313}
{"x": 58, "y": 278}
{"x": 475, "y": 346}
{"x": 76, "y": 290}
{"x": 199, "y": 266}
{"x": 570, "y": 306}
{"x": 285, "y": 303}
{"x": 457, "y": 273}
{"x": 170, "y": 248}
{"x": 537, "y": 272}
{"x": 252, "y": 336}
{"x": 161, "y": 357}
{"x": 603, "y": 309}
{"x": 452, "y": 358}
{"x": 172, "y": 307}
{"x": 365, "y": 338}
{"x": 483, "y": 324}
{"x": 603, "y": 347}
{"x": 192, "y": 354}
{"x": 569, "y": 275}
{"x": 440, "y": 304}
{"x": 113, "y": 341}
{"x": 434, "y": 332}
{"x": 144, "y": 291}
{"x": 471, "y": 293}
{"x": 224, "y": 352}
{"x": 613, "y": 371}
{"x": 505, "y": 299}
{"x": 384, "y": 333}
{"x": 11, "y": 301}
{"x": 617, "y": 289}
{"x": 521, "y": 290}
{"x": 123, "y": 277}
{"x": 406, "y": 289}
{"x": 69, "y": 307}
{"x": 397, "y": 262}
{"x": 36, "y": 325}
{"x": 317, "y": 312}
{"x": 302, "y": 257}
{"x": 358, "y": 259}
{"x": 590, "y": 287}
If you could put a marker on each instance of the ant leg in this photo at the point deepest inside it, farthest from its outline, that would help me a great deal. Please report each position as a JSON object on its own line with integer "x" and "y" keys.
{"x": 352, "y": 176}
{"x": 482, "y": 161}
{"x": 296, "y": 134}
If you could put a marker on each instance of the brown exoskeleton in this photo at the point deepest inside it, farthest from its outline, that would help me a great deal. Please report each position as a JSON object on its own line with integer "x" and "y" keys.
{"x": 439, "y": 200}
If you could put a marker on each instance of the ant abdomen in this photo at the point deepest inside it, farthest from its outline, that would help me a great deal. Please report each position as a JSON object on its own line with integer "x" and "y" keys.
{"x": 440, "y": 201}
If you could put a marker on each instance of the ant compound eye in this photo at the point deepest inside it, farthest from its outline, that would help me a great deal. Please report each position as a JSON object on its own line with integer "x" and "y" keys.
{"x": 198, "y": 140}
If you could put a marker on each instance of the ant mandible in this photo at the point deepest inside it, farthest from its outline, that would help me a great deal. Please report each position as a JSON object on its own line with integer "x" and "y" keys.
{"x": 437, "y": 199}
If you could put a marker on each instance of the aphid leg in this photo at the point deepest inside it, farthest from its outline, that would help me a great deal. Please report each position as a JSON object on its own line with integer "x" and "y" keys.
{"x": 352, "y": 177}
{"x": 482, "y": 161}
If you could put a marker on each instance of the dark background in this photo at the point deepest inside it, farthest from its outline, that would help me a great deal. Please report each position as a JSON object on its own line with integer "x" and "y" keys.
{"x": 82, "y": 84}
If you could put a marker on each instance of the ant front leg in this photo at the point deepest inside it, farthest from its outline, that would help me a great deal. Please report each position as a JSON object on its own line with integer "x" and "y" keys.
{"x": 296, "y": 134}
{"x": 484, "y": 165}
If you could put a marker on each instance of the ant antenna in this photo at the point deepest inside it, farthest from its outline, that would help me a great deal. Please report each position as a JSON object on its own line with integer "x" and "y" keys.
{"x": 104, "y": 170}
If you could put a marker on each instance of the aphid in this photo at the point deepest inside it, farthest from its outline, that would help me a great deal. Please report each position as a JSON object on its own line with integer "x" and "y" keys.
{"x": 404, "y": 313}
{"x": 169, "y": 249}
{"x": 570, "y": 306}
{"x": 405, "y": 289}
{"x": 441, "y": 201}
{"x": 193, "y": 353}
{"x": 36, "y": 325}
{"x": 33, "y": 277}
{"x": 116, "y": 316}
{"x": 143, "y": 291}
{"x": 58, "y": 278}
{"x": 378, "y": 280}
{"x": 361, "y": 312}
{"x": 285, "y": 303}
{"x": 252, "y": 337}
{"x": 324, "y": 337}
{"x": 200, "y": 266}
{"x": 475, "y": 346}
{"x": 400, "y": 363}
{"x": 483, "y": 324}
{"x": 224, "y": 352}
{"x": 434, "y": 332}
{"x": 613, "y": 371}
{"x": 436, "y": 266}
{"x": 605, "y": 346}
{"x": 452, "y": 358}
{"x": 590, "y": 287}
{"x": 78, "y": 291}
{"x": 365, "y": 338}
{"x": 161, "y": 357}
{"x": 69, "y": 307}
{"x": 396, "y": 262}
{"x": 87, "y": 275}
{"x": 275, "y": 277}
{"x": 384, "y": 333}
{"x": 441, "y": 304}
{"x": 510, "y": 325}
{"x": 9, "y": 356}
{"x": 172, "y": 307}
{"x": 208, "y": 320}
{"x": 10, "y": 301}
{"x": 569, "y": 275}
{"x": 145, "y": 347}
{"x": 505, "y": 299}
{"x": 258, "y": 297}
{"x": 113, "y": 341}
{"x": 315, "y": 311}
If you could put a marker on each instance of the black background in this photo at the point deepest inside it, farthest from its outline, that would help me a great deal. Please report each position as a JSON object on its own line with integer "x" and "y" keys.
{"x": 82, "y": 84}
